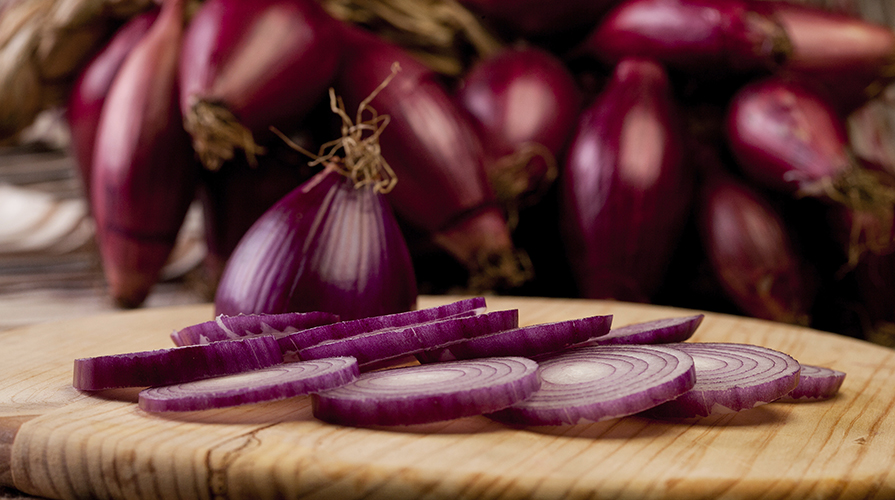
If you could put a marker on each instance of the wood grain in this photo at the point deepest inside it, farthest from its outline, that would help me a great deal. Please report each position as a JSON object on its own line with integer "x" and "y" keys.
{"x": 104, "y": 446}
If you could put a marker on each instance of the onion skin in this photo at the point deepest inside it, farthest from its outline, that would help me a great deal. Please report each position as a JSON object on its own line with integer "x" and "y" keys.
{"x": 525, "y": 103}
{"x": 326, "y": 246}
{"x": 266, "y": 62}
{"x": 435, "y": 152}
{"x": 144, "y": 176}
{"x": 702, "y": 36}
{"x": 625, "y": 190}
{"x": 89, "y": 91}
{"x": 751, "y": 253}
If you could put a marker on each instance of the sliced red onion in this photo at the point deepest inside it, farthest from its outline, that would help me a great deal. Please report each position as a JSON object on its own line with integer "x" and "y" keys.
{"x": 233, "y": 327}
{"x": 267, "y": 384}
{"x": 815, "y": 383}
{"x": 177, "y": 364}
{"x": 429, "y": 393}
{"x": 594, "y": 383}
{"x": 625, "y": 189}
{"x": 731, "y": 378}
{"x": 658, "y": 331}
{"x": 389, "y": 344}
{"x": 293, "y": 343}
{"x": 532, "y": 340}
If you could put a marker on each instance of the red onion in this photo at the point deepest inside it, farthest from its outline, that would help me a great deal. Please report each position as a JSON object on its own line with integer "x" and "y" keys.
{"x": 525, "y": 103}
{"x": 429, "y": 393}
{"x": 532, "y": 340}
{"x": 703, "y": 36}
{"x": 591, "y": 384}
{"x": 89, "y": 91}
{"x": 144, "y": 176}
{"x": 787, "y": 137}
{"x": 234, "y": 327}
{"x": 849, "y": 56}
{"x": 247, "y": 66}
{"x": 267, "y": 384}
{"x": 625, "y": 191}
{"x": 731, "y": 378}
{"x": 540, "y": 18}
{"x": 751, "y": 252}
{"x": 436, "y": 154}
{"x": 378, "y": 346}
{"x": 658, "y": 331}
{"x": 177, "y": 364}
{"x": 372, "y": 324}
{"x": 815, "y": 383}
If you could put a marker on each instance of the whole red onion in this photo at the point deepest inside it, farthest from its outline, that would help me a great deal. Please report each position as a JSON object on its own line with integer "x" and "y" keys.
{"x": 525, "y": 103}
{"x": 625, "y": 190}
{"x": 704, "y": 36}
{"x": 540, "y": 18}
{"x": 787, "y": 137}
{"x": 436, "y": 154}
{"x": 750, "y": 250}
{"x": 143, "y": 176}
{"x": 89, "y": 91}
{"x": 249, "y": 65}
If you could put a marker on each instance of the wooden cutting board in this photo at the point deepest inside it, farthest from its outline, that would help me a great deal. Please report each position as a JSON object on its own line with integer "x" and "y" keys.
{"x": 59, "y": 443}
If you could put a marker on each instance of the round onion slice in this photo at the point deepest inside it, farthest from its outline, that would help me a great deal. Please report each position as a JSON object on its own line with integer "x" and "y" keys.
{"x": 659, "y": 331}
{"x": 731, "y": 378}
{"x": 594, "y": 383}
{"x": 268, "y": 384}
{"x": 816, "y": 383}
{"x": 532, "y": 340}
{"x": 177, "y": 364}
{"x": 395, "y": 343}
{"x": 225, "y": 327}
{"x": 429, "y": 393}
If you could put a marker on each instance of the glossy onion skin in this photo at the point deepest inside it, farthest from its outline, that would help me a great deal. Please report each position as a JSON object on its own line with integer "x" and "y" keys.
{"x": 703, "y": 36}
{"x": 326, "y": 246}
{"x": 89, "y": 91}
{"x": 144, "y": 175}
{"x": 437, "y": 156}
{"x": 266, "y": 61}
{"x": 625, "y": 190}
{"x": 752, "y": 253}
{"x": 521, "y": 96}
{"x": 540, "y": 17}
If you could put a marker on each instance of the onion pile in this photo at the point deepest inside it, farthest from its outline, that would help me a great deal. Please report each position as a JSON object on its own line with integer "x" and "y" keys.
{"x": 564, "y": 157}
{"x": 543, "y": 374}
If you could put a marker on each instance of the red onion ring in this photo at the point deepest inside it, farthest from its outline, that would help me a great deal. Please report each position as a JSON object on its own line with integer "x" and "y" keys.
{"x": 233, "y": 327}
{"x": 658, "y": 331}
{"x": 429, "y": 393}
{"x": 816, "y": 383}
{"x": 594, "y": 383}
{"x": 731, "y": 378}
{"x": 268, "y": 384}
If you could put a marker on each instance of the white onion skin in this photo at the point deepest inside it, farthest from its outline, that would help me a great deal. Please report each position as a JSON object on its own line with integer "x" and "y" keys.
{"x": 327, "y": 246}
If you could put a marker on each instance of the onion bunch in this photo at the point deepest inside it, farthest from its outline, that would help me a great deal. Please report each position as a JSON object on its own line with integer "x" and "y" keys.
{"x": 614, "y": 104}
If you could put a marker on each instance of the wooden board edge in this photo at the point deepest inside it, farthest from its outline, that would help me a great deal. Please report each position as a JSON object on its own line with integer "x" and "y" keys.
{"x": 9, "y": 427}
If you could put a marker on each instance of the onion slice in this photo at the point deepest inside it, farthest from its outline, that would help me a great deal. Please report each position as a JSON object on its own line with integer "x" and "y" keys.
{"x": 594, "y": 383}
{"x": 268, "y": 384}
{"x": 176, "y": 365}
{"x": 816, "y": 383}
{"x": 429, "y": 393}
{"x": 658, "y": 331}
{"x": 307, "y": 338}
{"x": 226, "y": 327}
{"x": 395, "y": 343}
{"x": 731, "y": 378}
{"x": 532, "y": 340}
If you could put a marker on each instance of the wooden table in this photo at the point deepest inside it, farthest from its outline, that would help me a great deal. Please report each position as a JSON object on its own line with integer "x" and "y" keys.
{"x": 59, "y": 443}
